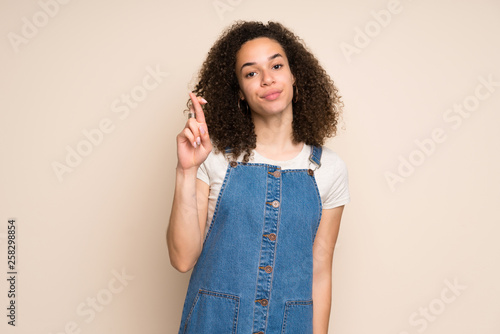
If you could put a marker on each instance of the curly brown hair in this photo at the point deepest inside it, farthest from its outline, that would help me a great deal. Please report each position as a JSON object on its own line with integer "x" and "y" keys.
{"x": 316, "y": 106}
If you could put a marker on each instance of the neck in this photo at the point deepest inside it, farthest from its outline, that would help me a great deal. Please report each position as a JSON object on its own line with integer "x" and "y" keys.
{"x": 275, "y": 136}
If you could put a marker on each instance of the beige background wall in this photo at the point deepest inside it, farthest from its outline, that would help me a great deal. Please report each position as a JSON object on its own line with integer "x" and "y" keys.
{"x": 418, "y": 250}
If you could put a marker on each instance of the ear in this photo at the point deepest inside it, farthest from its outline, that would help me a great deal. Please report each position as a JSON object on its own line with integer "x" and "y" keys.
{"x": 240, "y": 95}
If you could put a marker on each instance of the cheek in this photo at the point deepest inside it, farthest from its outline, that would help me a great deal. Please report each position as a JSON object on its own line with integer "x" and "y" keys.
{"x": 248, "y": 89}
{"x": 290, "y": 78}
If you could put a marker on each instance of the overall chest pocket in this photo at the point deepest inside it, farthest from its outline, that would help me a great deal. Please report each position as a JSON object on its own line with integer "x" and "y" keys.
{"x": 213, "y": 312}
{"x": 298, "y": 317}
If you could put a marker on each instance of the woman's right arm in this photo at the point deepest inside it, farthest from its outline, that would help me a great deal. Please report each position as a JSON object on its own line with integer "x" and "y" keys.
{"x": 189, "y": 208}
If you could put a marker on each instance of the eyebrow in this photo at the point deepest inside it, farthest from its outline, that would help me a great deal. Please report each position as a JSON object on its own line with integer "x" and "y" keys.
{"x": 274, "y": 56}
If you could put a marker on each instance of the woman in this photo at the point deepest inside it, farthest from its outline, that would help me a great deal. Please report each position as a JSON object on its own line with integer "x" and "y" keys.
{"x": 258, "y": 201}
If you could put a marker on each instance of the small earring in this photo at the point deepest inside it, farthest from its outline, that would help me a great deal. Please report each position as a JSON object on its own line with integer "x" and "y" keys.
{"x": 295, "y": 94}
{"x": 239, "y": 107}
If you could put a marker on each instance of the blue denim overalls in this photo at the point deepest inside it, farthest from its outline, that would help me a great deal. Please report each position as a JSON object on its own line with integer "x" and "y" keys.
{"x": 254, "y": 274}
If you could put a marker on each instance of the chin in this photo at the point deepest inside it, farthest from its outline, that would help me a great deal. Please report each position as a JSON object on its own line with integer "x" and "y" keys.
{"x": 271, "y": 111}
{"x": 276, "y": 106}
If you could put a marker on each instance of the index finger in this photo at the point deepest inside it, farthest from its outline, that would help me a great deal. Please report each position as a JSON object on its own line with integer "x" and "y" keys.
{"x": 200, "y": 116}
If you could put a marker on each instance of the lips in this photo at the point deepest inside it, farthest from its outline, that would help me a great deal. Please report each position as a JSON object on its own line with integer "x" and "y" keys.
{"x": 272, "y": 94}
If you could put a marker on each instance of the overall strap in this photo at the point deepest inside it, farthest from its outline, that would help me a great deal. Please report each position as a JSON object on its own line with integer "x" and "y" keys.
{"x": 315, "y": 156}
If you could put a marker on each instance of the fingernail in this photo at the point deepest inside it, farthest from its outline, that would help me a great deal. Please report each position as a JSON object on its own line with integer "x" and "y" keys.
{"x": 194, "y": 144}
{"x": 204, "y": 100}
{"x": 202, "y": 130}
{"x": 198, "y": 140}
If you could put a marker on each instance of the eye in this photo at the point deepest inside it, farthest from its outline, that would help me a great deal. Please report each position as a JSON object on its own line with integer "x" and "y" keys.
{"x": 250, "y": 75}
{"x": 277, "y": 66}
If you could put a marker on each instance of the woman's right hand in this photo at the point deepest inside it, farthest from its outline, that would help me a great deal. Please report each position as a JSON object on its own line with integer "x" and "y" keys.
{"x": 193, "y": 143}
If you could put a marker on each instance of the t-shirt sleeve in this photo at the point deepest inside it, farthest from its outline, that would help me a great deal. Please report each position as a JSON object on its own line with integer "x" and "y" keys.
{"x": 202, "y": 173}
{"x": 338, "y": 194}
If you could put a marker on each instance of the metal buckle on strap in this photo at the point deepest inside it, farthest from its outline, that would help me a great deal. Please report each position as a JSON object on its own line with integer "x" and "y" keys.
{"x": 314, "y": 162}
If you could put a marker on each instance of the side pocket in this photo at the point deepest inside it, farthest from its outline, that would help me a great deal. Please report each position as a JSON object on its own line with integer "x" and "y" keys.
{"x": 298, "y": 318}
{"x": 213, "y": 312}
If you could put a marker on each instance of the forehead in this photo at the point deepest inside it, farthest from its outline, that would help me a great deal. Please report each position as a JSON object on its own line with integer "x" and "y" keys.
{"x": 258, "y": 50}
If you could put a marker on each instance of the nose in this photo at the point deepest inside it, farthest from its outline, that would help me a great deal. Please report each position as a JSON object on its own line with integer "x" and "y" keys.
{"x": 267, "y": 78}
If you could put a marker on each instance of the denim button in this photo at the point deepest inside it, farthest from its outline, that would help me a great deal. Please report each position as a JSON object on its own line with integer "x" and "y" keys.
{"x": 263, "y": 302}
{"x": 275, "y": 204}
{"x": 267, "y": 269}
{"x": 233, "y": 164}
{"x": 272, "y": 236}
{"x": 277, "y": 174}
{"x": 310, "y": 172}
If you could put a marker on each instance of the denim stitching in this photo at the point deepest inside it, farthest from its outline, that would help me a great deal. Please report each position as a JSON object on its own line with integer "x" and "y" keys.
{"x": 235, "y": 298}
{"x": 191, "y": 311}
{"x": 216, "y": 209}
{"x": 275, "y": 248}
{"x": 318, "y": 196}
{"x": 290, "y": 304}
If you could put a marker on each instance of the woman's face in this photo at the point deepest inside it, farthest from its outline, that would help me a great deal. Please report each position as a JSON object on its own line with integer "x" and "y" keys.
{"x": 264, "y": 76}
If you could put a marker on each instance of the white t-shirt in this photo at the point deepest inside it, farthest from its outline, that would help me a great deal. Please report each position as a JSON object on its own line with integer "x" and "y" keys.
{"x": 331, "y": 177}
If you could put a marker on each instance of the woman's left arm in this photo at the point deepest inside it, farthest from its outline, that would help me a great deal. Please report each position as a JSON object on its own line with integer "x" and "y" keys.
{"x": 323, "y": 247}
